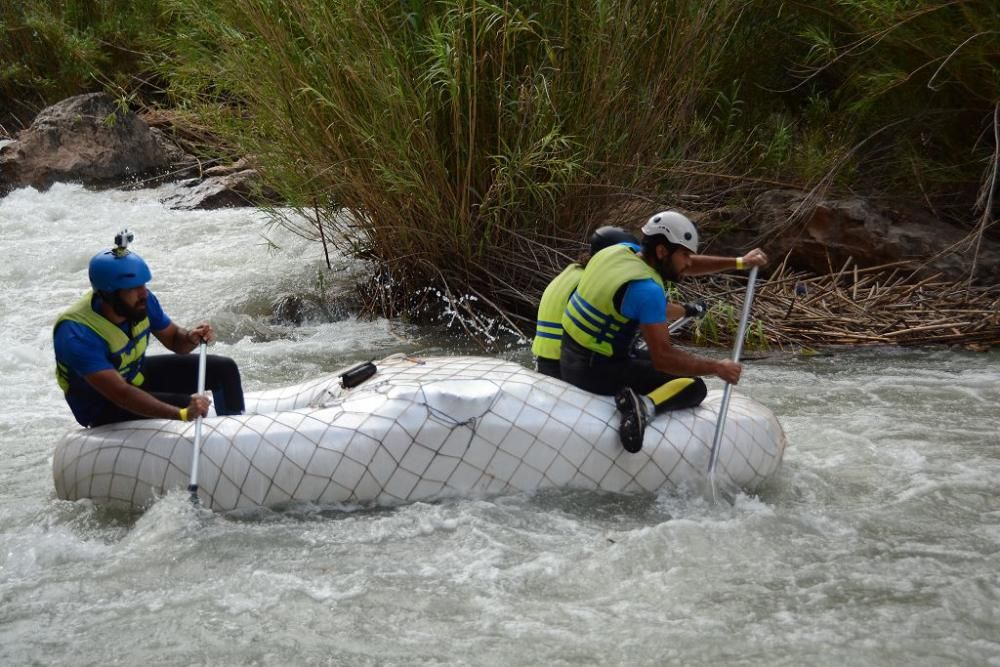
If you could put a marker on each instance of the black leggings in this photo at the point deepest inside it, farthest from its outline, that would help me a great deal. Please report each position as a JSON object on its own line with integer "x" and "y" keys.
{"x": 603, "y": 375}
{"x": 548, "y": 367}
{"x": 173, "y": 378}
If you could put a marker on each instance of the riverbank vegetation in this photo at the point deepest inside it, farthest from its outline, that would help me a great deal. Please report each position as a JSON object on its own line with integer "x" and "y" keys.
{"x": 52, "y": 49}
{"x": 471, "y": 146}
{"x": 851, "y": 306}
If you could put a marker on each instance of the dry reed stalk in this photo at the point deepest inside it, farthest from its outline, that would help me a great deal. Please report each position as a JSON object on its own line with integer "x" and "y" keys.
{"x": 881, "y": 307}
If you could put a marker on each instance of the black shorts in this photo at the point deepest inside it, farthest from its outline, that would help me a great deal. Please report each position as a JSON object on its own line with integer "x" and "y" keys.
{"x": 548, "y": 367}
{"x": 173, "y": 378}
{"x": 606, "y": 376}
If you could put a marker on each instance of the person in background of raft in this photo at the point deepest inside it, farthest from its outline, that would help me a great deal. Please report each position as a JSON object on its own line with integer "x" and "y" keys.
{"x": 548, "y": 327}
{"x": 100, "y": 349}
{"x": 622, "y": 290}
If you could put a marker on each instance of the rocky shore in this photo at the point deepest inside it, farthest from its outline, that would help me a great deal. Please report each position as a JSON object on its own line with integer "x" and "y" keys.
{"x": 90, "y": 139}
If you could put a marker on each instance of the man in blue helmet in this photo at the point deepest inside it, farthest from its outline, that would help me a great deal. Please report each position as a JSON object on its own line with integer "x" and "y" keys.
{"x": 100, "y": 348}
{"x": 621, "y": 293}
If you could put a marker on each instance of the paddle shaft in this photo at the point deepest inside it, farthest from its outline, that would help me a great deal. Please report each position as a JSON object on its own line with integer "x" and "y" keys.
{"x": 196, "y": 454}
{"x": 640, "y": 342}
{"x": 737, "y": 351}
{"x": 677, "y": 324}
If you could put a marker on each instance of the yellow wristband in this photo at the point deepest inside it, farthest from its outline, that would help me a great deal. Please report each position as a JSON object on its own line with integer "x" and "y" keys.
{"x": 739, "y": 264}
{"x": 183, "y": 414}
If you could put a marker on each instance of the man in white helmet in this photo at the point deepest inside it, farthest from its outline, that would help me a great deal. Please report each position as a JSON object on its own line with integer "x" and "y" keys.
{"x": 548, "y": 326}
{"x": 622, "y": 292}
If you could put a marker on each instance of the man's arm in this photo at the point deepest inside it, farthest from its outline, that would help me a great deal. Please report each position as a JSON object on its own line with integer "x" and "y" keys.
{"x": 180, "y": 340}
{"x": 705, "y": 264}
{"x": 113, "y": 387}
{"x": 674, "y": 361}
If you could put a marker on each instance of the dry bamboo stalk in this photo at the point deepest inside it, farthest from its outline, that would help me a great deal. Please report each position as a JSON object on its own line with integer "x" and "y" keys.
{"x": 928, "y": 327}
{"x": 836, "y": 280}
{"x": 878, "y": 307}
{"x": 846, "y": 334}
{"x": 850, "y": 303}
{"x": 912, "y": 287}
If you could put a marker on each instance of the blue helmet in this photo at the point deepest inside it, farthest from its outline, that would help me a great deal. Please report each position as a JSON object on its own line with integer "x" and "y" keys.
{"x": 118, "y": 268}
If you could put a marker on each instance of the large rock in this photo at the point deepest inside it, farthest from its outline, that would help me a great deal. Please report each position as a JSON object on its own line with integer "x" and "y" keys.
{"x": 820, "y": 236}
{"x": 87, "y": 139}
{"x": 222, "y": 187}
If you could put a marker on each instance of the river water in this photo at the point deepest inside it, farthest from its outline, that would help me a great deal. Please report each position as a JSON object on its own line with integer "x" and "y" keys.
{"x": 878, "y": 543}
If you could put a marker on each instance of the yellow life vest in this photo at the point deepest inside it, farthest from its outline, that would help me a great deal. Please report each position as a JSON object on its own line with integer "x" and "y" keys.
{"x": 591, "y": 318}
{"x": 549, "y": 328}
{"x": 125, "y": 352}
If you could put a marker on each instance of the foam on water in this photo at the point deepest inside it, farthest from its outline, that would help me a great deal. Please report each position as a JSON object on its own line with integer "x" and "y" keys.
{"x": 878, "y": 543}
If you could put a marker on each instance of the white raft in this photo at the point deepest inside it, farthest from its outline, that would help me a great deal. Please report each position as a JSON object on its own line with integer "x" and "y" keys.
{"x": 419, "y": 429}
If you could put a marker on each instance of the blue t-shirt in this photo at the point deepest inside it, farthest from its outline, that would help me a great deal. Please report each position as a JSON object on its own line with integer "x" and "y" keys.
{"x": 83, "y": 352}
{"x": 644, "y": 300}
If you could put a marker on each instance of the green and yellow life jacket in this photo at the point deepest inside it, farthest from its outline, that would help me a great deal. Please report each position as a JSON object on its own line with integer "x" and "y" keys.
{"x": 549, "y": 328}
{"x": 124, "y": 351}
{"x": 591, "y": 318}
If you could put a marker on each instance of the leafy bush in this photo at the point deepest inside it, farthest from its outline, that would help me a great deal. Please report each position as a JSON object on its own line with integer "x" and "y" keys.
{"x": 918, "y": 83}
{"x": 52, "y": 49}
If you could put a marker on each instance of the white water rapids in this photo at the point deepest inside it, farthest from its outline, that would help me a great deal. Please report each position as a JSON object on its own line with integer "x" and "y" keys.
{"x": 878, "y": 544}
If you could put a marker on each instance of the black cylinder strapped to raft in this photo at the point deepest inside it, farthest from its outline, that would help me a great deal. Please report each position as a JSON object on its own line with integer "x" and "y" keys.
{"x": 355, "y": 375}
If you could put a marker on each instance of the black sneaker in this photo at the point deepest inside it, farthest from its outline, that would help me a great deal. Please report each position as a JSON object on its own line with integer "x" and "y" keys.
{"x": 623, "y": 400}
{"x": 633, "y": 424}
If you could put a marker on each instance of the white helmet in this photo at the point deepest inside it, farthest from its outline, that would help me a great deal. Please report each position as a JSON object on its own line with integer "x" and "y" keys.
{"x": 676, "y": 227}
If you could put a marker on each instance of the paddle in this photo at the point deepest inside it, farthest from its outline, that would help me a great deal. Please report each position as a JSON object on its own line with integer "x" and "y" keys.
{"x": 193, "y": 486}
{"x": 737, "y": 350}
{"x": 692, "y": 311}
{"x": 678, "y": 323}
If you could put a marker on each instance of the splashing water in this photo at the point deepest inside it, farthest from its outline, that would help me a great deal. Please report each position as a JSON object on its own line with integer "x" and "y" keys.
{"x": 878, "y": 544}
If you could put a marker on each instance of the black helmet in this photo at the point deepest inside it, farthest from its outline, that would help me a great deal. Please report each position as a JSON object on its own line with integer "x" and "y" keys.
{"x": 607, "y": 236}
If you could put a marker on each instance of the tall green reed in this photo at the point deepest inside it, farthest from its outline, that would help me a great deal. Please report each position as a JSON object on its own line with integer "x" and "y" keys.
{"x": 910, "y": 88}
{"x": 52, "y": 49}
{"x": 460, "y": 142}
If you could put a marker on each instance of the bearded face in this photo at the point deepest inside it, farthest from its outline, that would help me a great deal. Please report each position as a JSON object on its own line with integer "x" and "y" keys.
{"x": 131, "y": 304}
{"x": 672, "y": 263}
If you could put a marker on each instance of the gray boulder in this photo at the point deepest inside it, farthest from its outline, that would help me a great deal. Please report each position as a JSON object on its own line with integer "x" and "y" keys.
{"x": 222, "y": 187}
{"x": 820, "y": 236}
{"x": 87, "y": 139}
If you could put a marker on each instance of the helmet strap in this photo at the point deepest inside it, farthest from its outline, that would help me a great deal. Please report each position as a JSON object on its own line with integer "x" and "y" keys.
{"x": 112, "y": 299}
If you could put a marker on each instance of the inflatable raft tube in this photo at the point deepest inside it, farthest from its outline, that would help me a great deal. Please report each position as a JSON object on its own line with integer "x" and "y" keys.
{"x": 416, "y": 430}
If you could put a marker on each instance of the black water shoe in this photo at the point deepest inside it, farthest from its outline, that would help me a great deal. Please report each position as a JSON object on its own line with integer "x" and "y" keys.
{"x": 633, "y": 424}
{"x": 623, "y": 399}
